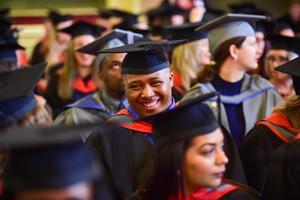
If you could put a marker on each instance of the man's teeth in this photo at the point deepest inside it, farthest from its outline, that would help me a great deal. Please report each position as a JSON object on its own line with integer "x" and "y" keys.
{"x": 150, "y": 104}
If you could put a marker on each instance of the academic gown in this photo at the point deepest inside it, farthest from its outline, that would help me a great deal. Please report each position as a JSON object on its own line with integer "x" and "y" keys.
{"x": 92, "y": 108}
{"x": 81, "y": 88}
{"x": 258, "y": 97}
{"x": 283, "y": 179}
{"x": 229, "y": 190}
{"x": 126, "y": 157}
{"x": 258, "y": 147}
{"x": 135, "y": 154}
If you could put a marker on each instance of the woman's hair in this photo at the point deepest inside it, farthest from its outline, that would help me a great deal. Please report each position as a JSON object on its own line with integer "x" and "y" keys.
{"x": 290, "y": 109}
{"x": 40, "y": 115}
{"x": 167, "y": 177}
{"x": 6, "y": 66}
{"x": 69, "y": 72}
{"x": 219, "y": 57}
{"x": 184, "y": 60}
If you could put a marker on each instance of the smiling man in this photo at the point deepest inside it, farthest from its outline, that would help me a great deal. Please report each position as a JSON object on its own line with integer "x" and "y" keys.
{"x": 127, "y": 156}
{"x": 147, "y": 82}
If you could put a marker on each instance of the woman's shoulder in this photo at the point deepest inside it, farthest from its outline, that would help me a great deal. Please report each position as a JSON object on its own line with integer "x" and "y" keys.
{"x": 242, "y": 191}
{"x": 196, "y": 90}
{"x": 261, "y": 82}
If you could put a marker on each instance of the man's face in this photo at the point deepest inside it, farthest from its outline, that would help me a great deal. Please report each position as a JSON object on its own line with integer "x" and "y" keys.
{"x": 111, "y": 75}
{"x": 150, "y": 93}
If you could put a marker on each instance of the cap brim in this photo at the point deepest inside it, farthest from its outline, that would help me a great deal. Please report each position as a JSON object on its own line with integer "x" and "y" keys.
{"x": 231, "y": 17}
{"x": 292, "y": 67}
{"x": 43, "y": 136}
{"x": 184, "y": 104}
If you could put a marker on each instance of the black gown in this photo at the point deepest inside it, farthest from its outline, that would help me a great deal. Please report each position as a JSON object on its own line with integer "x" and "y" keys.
{"x": 126, "y": 158}
{"x": 283, "y": 179}
{"x": 256, "y": 153}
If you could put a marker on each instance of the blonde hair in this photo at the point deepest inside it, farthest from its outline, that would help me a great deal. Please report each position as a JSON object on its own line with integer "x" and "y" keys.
{"x": 69, "y": 72}
{"x": 184, "y": 60}
{"x": 290, "y": 109}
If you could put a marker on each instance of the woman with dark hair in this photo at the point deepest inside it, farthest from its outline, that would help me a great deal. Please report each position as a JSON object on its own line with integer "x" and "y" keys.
{"x": 245, "y": 99}
{"x": 190, "y": 161}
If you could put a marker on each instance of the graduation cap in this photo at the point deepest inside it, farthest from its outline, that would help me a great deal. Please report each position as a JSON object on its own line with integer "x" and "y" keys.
{"x": 176, "y": 124}
{"x": 113, "y": 39}
{"x": 284, "y": 42}
{"x": 4, "y": 12}
{"x": 8, "y": 44}
{"x": 57, "y": 18}
{"x": 144, "y": 57}
{"x": 279, "y": 26}
{"x": 247, "y": 8}
{"x": 165, "y": 12}
{"x": 16, "y": 101}
{"x": 48, "y": 157}
{"x": 229, "y": 26}
{"x": 105, "y": 14}
{"x": 83, "y": 28}
{"x": 185, "y": 31}
{"x": 292, "y": 68}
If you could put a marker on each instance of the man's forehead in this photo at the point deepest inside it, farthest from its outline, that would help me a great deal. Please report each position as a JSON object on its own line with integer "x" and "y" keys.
{"x": 161, "y": 74}
{"x": 277, "y": 52}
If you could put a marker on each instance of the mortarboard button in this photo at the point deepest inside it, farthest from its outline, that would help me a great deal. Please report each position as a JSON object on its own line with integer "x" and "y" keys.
{"x": 229, "y": 26}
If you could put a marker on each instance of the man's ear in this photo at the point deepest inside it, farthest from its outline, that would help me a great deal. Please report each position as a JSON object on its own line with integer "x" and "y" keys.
{"x": 233, "y": 52}
{"x": 100, "y": 75}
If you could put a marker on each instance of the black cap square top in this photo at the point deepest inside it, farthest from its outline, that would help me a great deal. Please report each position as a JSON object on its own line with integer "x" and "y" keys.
{"x": 124, "y": 36}
{"x": 83, "y": 28}
{"x": 144, "y": 57}
{"x": 229, "y": 26}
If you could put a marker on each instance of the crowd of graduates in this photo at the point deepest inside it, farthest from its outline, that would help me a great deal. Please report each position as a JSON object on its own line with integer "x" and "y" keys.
{"x": 193, "y": 104}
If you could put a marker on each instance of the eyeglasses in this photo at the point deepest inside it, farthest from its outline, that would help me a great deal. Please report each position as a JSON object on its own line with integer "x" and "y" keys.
{"x": 279, "y": 59}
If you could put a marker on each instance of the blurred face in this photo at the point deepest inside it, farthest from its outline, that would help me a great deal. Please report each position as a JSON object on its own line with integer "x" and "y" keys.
{"x": 204, "y": 162}
{"x": 150, "y": 93}
{"x": 274, "y": 58}
{"x": 82, "y": 59}
{"x": 184, "y": 4}
{"x": 260, "y": 44}
{"x": 246, "y": 55}
{"x": 294, "y": 11}
{"x": 287, "y": 32}
{"x": 81, "y": 191}
{"x": 203, "y": 54}
{"x": 111, "y": 74}
{"x": 63, "y": 38}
